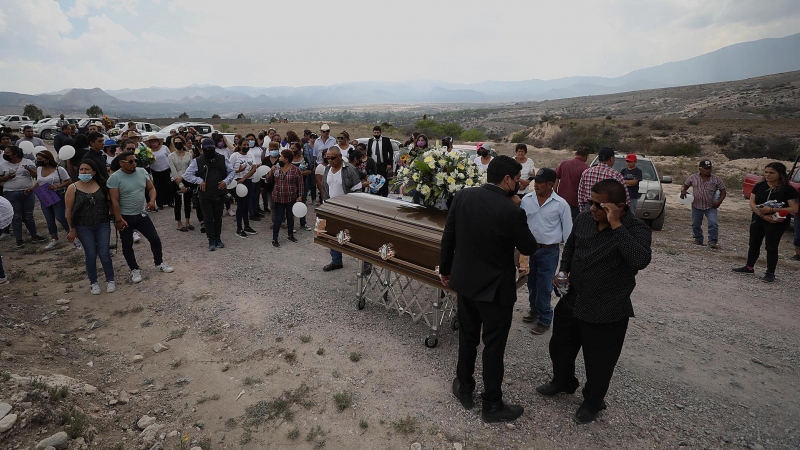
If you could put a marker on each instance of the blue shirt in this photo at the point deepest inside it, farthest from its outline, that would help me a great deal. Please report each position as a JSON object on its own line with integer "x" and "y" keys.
{"x": 550, "y": 223}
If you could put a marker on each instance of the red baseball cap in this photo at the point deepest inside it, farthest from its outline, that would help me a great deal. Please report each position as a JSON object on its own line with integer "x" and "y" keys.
{"x": 630, "y": 157}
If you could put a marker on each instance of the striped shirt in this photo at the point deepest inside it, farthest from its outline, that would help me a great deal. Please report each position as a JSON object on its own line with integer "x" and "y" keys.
{"x": 594, "y": 174}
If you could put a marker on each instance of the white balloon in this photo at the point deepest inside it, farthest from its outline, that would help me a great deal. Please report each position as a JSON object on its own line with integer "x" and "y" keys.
{"x": 40, "y": 148}
{"x": 686, "y": 201}
{"x": 261, "y": 171}
{"x": 299, "y": 209}
{"x": 233, "y": 184}
{"x": 241, "y": 190}
{"x": 26, "y": 146}
{"x": 66, "y": 152}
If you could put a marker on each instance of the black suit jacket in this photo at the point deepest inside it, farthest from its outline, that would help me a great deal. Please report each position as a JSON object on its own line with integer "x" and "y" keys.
{"x": 483, "y": 227}
{"x": 387, "y": 153}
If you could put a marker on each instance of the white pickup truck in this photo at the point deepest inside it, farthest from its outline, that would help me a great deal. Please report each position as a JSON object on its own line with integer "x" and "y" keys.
{"x": 15, "y": 122}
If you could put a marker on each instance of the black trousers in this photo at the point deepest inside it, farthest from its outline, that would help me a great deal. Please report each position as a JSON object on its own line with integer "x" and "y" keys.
{"x": 761, "y": 231}
{"x": 212, "y": 215}
{"x": 496, "y": 323}
{"x": 163, "y": 186}
{"x": 145, "y": 227}
{"x": 602, "y": 345}
{"x": 184, "y": 200}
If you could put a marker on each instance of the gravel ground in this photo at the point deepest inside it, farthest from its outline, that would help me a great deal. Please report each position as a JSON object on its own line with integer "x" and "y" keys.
{"x": 710, "y": 361}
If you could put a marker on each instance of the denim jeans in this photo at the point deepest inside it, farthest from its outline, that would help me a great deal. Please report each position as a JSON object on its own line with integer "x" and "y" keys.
{"x": 53, "y": 213}
{"x": 253, "y": 195}
{"x": 281, "y": 210}
{"x": 697, "y": 222}
{"x": 23, "y": 212}
{"x": 336, "y": 257}
{"x": 95, "y": 243}
{"x": 543, "y": 264}
{"x": 632, "y": 206}
{"x": 144, "y": 225}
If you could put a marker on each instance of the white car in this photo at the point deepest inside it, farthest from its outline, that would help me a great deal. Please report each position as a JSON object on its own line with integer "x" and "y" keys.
{"x": 205, "y": 129}
{"x": 15, "y": 122}
{"x": 142, "y": 127}
{"x": 396, "y": 145}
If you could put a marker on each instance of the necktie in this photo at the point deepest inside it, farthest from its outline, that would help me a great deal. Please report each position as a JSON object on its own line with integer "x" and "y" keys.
{"x": 378, "y": 150}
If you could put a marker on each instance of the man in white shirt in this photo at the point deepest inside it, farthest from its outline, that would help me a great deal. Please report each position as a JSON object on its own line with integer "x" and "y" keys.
{"x": 324, "y": 142}
{"x": 382, "y": 152}
{"x": 550, "y": 221}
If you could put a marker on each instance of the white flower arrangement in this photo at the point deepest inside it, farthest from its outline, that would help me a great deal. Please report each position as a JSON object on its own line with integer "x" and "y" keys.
{"x": 438, "y": 174}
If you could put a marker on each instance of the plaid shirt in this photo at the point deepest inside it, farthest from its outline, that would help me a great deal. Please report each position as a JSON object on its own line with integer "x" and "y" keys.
{"x": 594, "y": 174}
{"x": 704, "y": 191}
{"x": 288, "y": 185}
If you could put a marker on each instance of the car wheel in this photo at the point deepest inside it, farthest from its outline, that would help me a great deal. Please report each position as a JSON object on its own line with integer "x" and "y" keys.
{"x": 658, "y": 224}
{"x": 47, "y": 135}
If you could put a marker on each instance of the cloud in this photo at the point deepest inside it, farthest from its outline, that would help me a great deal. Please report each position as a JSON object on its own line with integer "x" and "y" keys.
{"x": 2, "y": 22}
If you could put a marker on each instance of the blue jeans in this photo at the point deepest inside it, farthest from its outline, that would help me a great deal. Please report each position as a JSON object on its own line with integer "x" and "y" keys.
{"x": 697, "y": 222}
{"x": 53, "y": 213}
{"x": 632, "y": 206}
{"x": 23, "y": 212}
{"x": 95, "y": 243}
{"x": 336, "y": 257}
{"x": 543, "y": 264}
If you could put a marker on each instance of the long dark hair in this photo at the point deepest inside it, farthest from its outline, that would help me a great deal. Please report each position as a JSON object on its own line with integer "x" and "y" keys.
{"x": 98, "y": 177}
{"x": 783, "y": 177}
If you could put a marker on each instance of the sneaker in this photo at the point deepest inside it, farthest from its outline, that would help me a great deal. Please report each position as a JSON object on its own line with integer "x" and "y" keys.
{"x": 111, "y": 286}
{"x": 220, "y": 244}
{"x": 4, "y": 280}
{"x": 20, "y": 244}
{"x": 743, "y": 269}
{"x": 164, "y": 267}
{"x": 713, "y": 245}
{"x": 276, "y": 244}
{"x": 768, "y": 278}
{"x": 539, "y": 329}
{"x": 249, "y": 230}
{"x": 38, "y": 238}
{"x": 292, "y": 238}
{"x": 136, "y": 276}
{"x": 136, "y": 237}
{"x": 231, "y": 212}
{"x": 255, "y": 218}
{"x": 77, "y": 244}
{"x": 306, "y": 227}
{"x": 95, "y": 289}
{"x": 241, "y": 233}
{"x": 51, "y": 245}
{"x": 212, "y": 245}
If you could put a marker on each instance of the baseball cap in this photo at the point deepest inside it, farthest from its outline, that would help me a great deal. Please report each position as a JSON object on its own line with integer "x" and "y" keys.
{"x": 705, "y": 164}
{"x": 545, "y": 174}
{"x": 324, "y": 127}
{"x": 109, "y": 143}
{"x": 605, "y": 153}
{"x": 483, "y": 145}
{"x": 630, "y": 157}
{"x": 208, "y": 143}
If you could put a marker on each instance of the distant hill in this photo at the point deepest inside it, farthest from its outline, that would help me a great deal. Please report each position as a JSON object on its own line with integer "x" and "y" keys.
{"x": 735, "y": 62}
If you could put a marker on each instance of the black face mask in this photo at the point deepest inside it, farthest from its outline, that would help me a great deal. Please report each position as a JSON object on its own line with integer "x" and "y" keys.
{"x": 483, "y": 153}
{"x": 6, "y": 157}
{"x": 209, "y": 153}
{"x": 179, "y": 145}
{"x": 514, "y": 192}
{"x": 40, "y": 163}
{"x": 281, "y": 163}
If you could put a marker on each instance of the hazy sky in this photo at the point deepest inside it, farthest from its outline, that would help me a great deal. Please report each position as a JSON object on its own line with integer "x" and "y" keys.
{"x": 48, "y": 45}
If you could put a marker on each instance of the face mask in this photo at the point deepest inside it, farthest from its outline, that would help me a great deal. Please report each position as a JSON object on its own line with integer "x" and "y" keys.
{"x": 483, "y": 153}
{"x": 85, "y": 177}
{"x": 40, "y": 163}
{"x": 420, "y": 143}
{"x": 220, "y": 144}
{"x": 179, "y": 145}
{"x": 514, "y": 191}
{"x": 209, "y": 153}
{"x": 281, "y": 163}
{"x": 274, "y": 153}
{"x": 6, "y": 157}
{"x": 252, "y": 143}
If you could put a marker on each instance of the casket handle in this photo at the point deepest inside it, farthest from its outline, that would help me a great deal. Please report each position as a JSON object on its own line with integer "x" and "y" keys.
{"x": 386, "y": 251}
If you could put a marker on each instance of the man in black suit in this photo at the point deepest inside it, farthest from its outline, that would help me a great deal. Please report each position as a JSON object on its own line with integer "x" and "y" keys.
{"x": 483, "y": 227}
{"x": 380, "y": 148}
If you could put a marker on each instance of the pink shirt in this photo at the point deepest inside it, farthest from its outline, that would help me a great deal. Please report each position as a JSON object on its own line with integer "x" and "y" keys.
{"x": 569, "y": 172}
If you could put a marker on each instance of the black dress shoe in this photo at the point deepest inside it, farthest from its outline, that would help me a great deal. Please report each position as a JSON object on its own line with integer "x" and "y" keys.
{"x": 500, "y": 412}
{"x": 549, "y": 389}
{"x": 466, "y": 399}
{"x": 332, "y": 266}
{"x": 276, "y": 244}
{"x": 585, "y": 414}
{"x": 292, "y": 238}
{"x": 530, "y": 317}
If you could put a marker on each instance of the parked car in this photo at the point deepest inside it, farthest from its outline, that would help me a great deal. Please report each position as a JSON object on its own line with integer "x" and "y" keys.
{"x": 16, "y": 122}
{"x": 750, "y": 180}
{"x": 141, "y": 127}
{"x": 206, "y": 129}
{"x": 651, "y": 202}
{"x": 48, "y": 128}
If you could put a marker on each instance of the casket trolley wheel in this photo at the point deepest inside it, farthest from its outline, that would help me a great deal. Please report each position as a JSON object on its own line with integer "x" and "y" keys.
{"x": 431, "y": 341}
{"x": 454, "y": 323}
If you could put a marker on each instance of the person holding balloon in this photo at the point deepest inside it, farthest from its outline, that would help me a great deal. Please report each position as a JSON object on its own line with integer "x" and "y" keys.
{"x": 288, "y": 189}
{"x": 56, "y": 178}
{"x": 305, "y": 165}
{"x": 244, "y": 169}
{"x": 32, "y": 142}
{"x": 212, "y": 173}
{"x": 17, "y": 175}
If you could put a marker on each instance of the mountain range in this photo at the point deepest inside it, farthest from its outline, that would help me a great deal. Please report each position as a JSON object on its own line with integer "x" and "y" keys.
{"x": 735, "y": 62}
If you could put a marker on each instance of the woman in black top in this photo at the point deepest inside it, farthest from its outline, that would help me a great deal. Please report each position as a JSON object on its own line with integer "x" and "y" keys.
{"x": 772, "y": 201}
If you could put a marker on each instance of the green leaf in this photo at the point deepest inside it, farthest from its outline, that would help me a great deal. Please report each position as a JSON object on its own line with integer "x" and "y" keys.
{"x": 421, "y": 166}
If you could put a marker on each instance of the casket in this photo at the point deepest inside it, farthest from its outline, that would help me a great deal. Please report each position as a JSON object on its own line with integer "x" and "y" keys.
{"x": 402, "y": 237}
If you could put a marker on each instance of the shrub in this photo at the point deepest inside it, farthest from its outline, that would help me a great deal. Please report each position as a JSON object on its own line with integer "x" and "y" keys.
{"x": 722, "y": 139}
{"x": 638, "y": 123}
{"x": 660, "y": 126}
{"x": 608, "y": 117}
{"x": 693, "y": 121}
{"x": 473, "y": 135}
{"x": 773, "y": 147}
{"x": 519, "y": 136}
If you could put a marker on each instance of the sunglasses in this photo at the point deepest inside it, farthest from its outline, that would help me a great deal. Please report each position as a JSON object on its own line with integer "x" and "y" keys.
{"x": 340, "y": 138}
{"x": 133, "y": 161}
{"x": 331, "y": 158}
